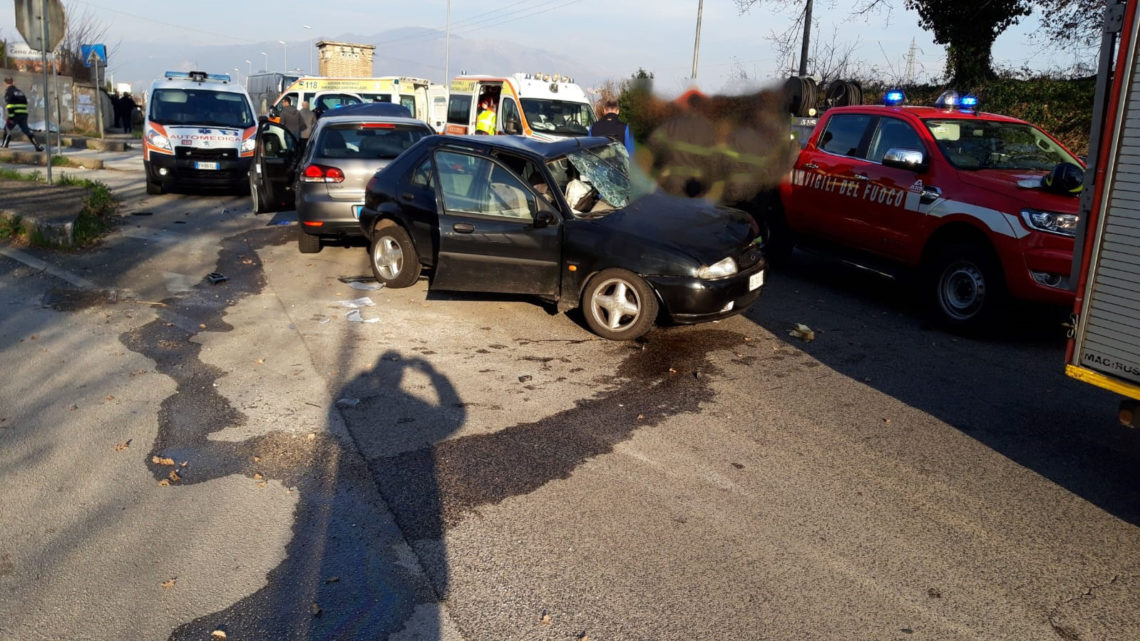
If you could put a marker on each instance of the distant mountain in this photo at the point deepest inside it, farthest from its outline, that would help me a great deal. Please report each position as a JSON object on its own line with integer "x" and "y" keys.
{"x": 415, "y": 51}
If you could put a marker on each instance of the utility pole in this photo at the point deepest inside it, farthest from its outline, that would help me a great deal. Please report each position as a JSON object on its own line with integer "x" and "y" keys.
{"x": 447, "y": 47}
{"x": 807, "y": 38}
{"x": 47, "y": 96}
{"x": 697, "y": 42}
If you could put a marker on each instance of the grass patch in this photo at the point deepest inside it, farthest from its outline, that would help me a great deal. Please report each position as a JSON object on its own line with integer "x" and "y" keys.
{"x": 10, "y": 227}
{"x": 62, "y": 161}
{"x": 15, "y": 174}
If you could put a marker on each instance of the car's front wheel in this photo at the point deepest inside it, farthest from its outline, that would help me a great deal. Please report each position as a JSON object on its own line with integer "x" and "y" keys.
{"x": 619, "y": 305}
{"x": 393, "y": 256}
{"x": 966, "y": 287}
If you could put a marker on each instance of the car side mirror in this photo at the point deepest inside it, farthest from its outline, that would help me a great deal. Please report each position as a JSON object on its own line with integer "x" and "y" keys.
{"x": 909, "y": 159}
{"x": 545, "y": 218}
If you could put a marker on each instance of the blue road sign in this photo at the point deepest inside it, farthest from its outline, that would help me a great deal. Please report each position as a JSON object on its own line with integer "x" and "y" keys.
{"x": 94, "y": 54}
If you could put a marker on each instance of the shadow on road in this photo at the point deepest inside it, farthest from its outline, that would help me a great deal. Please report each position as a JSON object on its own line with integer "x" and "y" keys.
{"x": 1009, "y": 393}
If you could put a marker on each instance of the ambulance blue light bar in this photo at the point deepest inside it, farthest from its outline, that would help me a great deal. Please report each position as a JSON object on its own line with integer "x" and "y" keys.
{"x": 197, "y": 76}
{"x": 893, "y": 98}
{"x": 968, "y": 103}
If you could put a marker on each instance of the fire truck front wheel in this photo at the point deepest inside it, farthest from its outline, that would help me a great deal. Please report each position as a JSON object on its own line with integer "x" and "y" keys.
{"x": 966, "y": 287}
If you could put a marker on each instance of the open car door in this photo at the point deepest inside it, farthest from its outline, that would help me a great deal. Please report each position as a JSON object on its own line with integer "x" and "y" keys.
{"x": 275, "y": 159}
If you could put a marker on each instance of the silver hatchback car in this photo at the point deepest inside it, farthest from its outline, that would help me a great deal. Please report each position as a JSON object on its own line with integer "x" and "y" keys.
{"x": 324, "y": 178}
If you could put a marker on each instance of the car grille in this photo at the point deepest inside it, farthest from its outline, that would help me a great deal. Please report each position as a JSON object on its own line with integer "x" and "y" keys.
{"x": 198, "y": 153}
{"x": 751, "y": 255}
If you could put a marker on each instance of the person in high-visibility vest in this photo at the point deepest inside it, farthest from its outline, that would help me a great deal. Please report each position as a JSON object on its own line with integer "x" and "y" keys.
{"x": 485, "y": 122}
{"x": 16, "y": 108}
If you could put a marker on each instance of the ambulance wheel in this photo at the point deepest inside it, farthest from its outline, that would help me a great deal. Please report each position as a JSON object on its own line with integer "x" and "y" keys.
{"x": 966, "y": 287}
{"x": 153, "y": 187}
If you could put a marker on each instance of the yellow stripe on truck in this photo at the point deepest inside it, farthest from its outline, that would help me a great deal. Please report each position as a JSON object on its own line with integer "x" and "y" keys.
{"x": 1100, "y": 380}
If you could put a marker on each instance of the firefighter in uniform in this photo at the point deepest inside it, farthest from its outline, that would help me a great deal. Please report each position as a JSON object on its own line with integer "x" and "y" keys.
{"x": 16, "y": 110}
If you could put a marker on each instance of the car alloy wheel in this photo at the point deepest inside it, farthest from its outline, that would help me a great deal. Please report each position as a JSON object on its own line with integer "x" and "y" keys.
{"x": 395, "y": 262}
{"x": 619, "y": 305}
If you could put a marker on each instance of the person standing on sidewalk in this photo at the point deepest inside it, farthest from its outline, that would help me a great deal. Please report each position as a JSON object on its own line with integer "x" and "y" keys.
{"x": 128, "y": 107}
{"x": 16, "y": 108}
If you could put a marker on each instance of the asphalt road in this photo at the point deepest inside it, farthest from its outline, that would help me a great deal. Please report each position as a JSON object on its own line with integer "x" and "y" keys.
{"x": 179, "y": 457}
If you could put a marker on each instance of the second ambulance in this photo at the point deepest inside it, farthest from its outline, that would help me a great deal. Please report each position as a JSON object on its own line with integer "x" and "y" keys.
{"x": 544, "y": 106}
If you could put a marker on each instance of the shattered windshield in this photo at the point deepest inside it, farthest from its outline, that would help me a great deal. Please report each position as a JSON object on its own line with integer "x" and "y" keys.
{"x": 987, "y": 144}
{"x": 598, "y": 179}
{"x": 558, "y": 116}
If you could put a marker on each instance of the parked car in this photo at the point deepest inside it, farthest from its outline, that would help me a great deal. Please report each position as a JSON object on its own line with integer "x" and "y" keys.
{"x": 564, "y": 221}
{"x": 960, "y": 198}
{"x": 324, "y": 181}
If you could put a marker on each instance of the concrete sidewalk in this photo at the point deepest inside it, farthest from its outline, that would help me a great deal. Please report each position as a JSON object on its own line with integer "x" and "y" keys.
{"x": 48, "y": 211}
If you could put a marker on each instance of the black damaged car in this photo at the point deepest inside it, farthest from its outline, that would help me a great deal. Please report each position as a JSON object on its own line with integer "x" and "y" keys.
{"x": 566, "y": 221}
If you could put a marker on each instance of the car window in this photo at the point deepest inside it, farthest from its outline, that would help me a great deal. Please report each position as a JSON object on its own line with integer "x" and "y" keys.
{"x": 892, "y": 133}
{"x": 843, "y": 134}
{"x": 367, "y": 140}
{"x": 459, "y": 109}
{"x": 334, "y": 100}
{"x": 409, "y": 102}
{"x": 989, "y": 144}
{"x": 475, "y": 185}
{"x": 274, "y": 143}
{"x": 509, "y": 122}
{"x": 422, "y": 177}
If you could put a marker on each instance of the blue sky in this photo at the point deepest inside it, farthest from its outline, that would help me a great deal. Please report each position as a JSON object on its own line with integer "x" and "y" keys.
{"x": 609, "y": 38}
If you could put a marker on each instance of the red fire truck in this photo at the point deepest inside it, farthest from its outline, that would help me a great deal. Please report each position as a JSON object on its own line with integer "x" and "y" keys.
{"x": 1104, "y": 343}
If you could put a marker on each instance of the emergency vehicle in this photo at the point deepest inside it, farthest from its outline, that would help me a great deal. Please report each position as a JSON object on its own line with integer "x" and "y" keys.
{"x": 1104, "y": 344}
{"x": 544, "y": 106}
{"x": 324, "y": 94}
{"x": 948, "y": 192}
{"x": 199, "y": 131}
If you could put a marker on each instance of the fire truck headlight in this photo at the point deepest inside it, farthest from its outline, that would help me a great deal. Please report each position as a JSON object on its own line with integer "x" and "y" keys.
{"x": 248, "y": 144}
{"x": 158, "y": 140}
{"x": 721, "y": 269}
{"x": 1050, "y": 222}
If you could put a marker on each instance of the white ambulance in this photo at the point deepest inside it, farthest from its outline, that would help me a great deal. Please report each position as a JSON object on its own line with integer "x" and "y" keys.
{"x": 545, "y": 106}
{"x": 199, "y": 132}
{"x": 325, "y": 94}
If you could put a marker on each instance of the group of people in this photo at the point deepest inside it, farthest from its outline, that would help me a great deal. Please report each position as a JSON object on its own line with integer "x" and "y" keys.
{"x": 299, "y": 122}
{"x": 124, "y": 111}
{"x": 16, "y": 114}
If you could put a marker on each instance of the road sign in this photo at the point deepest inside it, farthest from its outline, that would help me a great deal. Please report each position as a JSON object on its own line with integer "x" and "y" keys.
{"x": 94, "y": 55}
{"x": 29, "y": 22}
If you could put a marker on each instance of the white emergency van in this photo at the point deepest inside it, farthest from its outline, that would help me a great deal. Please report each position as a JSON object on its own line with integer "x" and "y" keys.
{"x": 546, "y": 106}
{"x": 325, "y": 94}
{"x": 199, "y": 132}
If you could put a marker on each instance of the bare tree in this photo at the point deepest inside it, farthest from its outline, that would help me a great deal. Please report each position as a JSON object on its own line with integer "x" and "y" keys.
{"x": 1072, "y": 24}
{"x": 84, "y": 27}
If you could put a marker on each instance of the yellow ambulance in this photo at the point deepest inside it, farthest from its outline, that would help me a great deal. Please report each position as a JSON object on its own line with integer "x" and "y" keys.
{"x": 540, "y": 105}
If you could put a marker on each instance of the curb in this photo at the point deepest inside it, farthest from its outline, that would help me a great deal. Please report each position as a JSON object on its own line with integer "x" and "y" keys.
{"x": 38, "y": 158}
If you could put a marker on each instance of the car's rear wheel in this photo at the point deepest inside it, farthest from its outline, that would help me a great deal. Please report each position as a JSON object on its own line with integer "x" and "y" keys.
{"x": 966, "y": 287}
{"x": 619, "y": 305}
{"x": 393, "y": 256}
{"x": 308, "y": 243}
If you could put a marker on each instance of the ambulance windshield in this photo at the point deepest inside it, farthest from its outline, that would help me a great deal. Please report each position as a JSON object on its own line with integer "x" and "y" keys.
{"x": 990, "y": 144}
{"x": 200, "y": 107}
{"x": 561, "y": 117}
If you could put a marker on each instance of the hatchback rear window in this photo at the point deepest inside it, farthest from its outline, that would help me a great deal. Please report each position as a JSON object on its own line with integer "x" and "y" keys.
{"x": 368, "y": 140}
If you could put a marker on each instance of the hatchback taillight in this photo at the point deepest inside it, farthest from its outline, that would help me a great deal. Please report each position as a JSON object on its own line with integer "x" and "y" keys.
{"x": 322, "y": 174}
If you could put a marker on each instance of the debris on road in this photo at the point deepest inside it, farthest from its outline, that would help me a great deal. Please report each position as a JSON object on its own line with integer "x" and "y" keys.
{"x": 356, "y": 303}
{"x": 368, "y": 287}
{"x": 218, "y": 635}
{"x": 355, "y": 317}
{"x": 216, "y": 277}
{"x": 545, "y": 620}
{"x": 525, "y": 378}
{"x": 315, "y": 609}
{"x": 803, "y": 332}
{"x": 169, "y": 583}
{"x": 122, "y": 446}
{"x": 157, "y": 460}
{"x": 347, "y": 402}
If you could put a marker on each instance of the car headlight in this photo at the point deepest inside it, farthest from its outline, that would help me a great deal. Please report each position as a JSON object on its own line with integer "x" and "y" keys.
{"x": 726, "y": 267}
{"x": 248, "y": 144}
{"x": 1053, "y": 223}
{"x": 158, "y": 140}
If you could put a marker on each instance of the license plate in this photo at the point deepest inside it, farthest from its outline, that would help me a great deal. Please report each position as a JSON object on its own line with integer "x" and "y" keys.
{"x": 356, "y": 211}
{"x": 756, "y": 280}
{"x": 206, "y": 165}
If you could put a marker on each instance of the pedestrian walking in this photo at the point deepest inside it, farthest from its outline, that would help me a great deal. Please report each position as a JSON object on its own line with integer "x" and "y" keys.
{"x": 127, "y": 106}
{"x": 16, "y": 108}
{"x": 611, "y": 126}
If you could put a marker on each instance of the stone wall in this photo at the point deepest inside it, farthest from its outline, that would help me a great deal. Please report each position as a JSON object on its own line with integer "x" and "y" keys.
{"x": 344, "y": 59}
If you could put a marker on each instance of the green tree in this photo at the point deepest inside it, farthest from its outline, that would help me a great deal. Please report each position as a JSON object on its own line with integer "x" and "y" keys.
{"x": 968, "y": 29}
